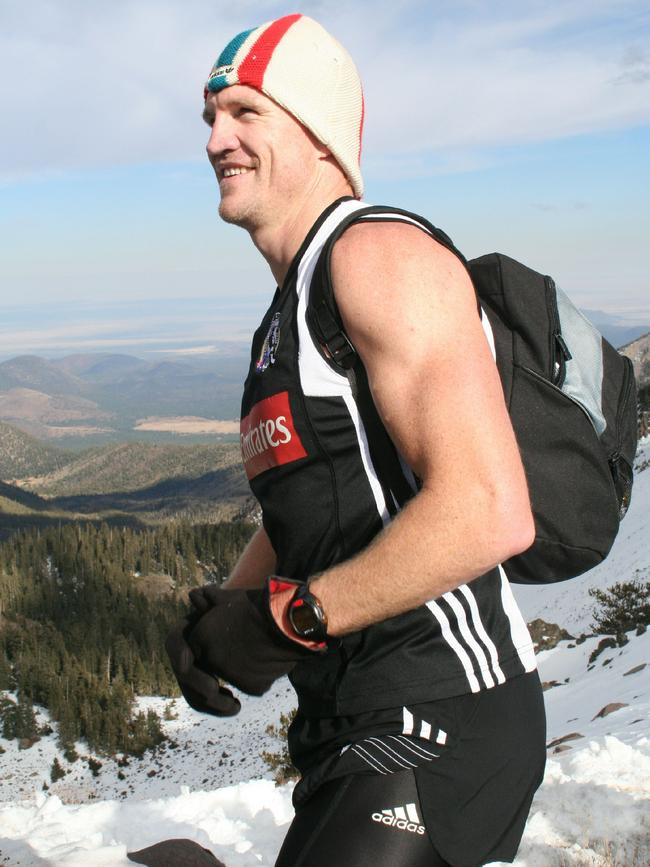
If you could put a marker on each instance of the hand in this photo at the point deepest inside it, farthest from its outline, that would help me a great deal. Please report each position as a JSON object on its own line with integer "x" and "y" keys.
{"x": 201, "y": 689}
{"x": 237, "y": 638}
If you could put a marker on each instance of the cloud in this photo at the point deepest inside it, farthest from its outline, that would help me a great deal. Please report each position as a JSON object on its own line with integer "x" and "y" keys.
{"x": 636, "y": 66}
{"x": 555, "y": 208}
{"x": 117, "y": 83}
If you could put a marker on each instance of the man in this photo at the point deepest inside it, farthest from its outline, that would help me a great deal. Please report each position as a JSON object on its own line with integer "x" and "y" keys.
{"x": 420, "y": 725}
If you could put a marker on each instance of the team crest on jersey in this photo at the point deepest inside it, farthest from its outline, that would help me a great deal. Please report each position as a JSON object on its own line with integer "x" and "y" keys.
{"x": 270, "y": 345}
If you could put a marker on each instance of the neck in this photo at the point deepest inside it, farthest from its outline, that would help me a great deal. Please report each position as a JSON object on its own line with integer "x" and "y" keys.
{"x": 280, "y": 242}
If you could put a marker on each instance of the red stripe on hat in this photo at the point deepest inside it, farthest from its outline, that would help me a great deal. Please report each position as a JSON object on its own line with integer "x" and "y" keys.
{"x": 253, "y": 66}
{"x": 363, "y": 113}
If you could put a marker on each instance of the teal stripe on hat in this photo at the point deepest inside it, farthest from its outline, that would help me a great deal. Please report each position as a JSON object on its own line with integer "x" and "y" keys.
{"x": 217, "y": 83}
{"x": 227, "y": 56}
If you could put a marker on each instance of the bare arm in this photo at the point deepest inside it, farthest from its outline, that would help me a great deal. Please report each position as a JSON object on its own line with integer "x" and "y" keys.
{"x": 412, "y": 316}
{"x": 258, "y": 560}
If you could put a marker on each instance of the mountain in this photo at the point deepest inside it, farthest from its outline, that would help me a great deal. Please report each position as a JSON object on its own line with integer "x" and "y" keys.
{"x": 614, "y": 328}
{"x": 141, "y": 482}
{"x": 638, "y": 351}
{"x": 134, "y": 484}
{"x": 33, "y": 372}
{"x": 27, "y": 405}
{"x": 130, "y": 467}
{"x": 22, "y": 455}
{"x": 99, "y": 366}
{"x": 12, "y": 496}
{"x": 104, "y": 394}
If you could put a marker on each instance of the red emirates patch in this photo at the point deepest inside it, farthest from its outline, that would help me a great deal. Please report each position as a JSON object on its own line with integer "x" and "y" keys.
{"x": 268, "y": 436}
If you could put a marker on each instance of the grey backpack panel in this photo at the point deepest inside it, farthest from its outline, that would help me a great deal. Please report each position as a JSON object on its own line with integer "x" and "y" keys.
{"x": 583, "y": 376}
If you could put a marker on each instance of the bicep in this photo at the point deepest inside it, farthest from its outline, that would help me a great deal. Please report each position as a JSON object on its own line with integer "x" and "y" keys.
{"x": 416, "y": 327}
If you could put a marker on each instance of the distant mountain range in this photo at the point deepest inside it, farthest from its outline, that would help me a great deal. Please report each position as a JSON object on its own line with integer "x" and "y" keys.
{"x": 98, "y": 398}
{"x": 104, "y": 395}
{"x": 614, "y": 329}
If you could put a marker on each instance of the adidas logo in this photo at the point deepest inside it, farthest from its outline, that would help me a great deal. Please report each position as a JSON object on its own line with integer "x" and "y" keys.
{"x": 403, "y": 818}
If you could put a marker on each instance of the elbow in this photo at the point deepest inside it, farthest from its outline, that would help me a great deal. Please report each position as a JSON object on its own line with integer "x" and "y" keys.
{"x": 515, "y": 531}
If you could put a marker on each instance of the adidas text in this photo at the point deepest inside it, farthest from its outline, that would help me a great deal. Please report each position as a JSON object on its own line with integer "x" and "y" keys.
{"x": 394, "y": 822}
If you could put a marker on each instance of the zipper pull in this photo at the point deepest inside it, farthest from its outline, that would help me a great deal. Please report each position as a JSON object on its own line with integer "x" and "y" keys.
{"x": 562, "y": 344}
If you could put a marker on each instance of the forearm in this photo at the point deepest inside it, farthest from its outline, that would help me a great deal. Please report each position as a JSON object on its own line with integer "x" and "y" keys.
{"x": 256, "y": 562}
{"x": 434, "y": 545}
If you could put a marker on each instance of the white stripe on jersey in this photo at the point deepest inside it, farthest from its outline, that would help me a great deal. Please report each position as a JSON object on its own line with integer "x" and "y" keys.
{"x": 364, "y": 450}
{"x": 482, "y": 633}
{"x": 455, "y": 645}
{"x": 518, "y": 629}
{"x": 487, "y": 328}
{"x": 407, "y": 716}
{"x": 317, "y": 378}
{"x": 473, "y": 644}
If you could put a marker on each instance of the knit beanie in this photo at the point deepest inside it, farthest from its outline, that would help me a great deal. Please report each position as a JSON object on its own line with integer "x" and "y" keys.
{"x": 296, "y": 63}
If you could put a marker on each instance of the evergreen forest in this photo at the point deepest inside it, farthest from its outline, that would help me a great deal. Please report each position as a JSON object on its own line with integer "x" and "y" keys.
{"x": 84, "y": 612}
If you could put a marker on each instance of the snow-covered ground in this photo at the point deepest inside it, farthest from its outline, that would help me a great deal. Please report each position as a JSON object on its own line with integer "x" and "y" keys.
{"x": 213, "y": 787}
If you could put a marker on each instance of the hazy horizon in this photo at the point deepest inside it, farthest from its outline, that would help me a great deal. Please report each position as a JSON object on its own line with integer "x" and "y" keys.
{"x": 518, "y": 128}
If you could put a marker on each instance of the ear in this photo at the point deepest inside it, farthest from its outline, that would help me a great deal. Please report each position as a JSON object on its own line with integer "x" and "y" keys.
{"x": 324, "y": 153}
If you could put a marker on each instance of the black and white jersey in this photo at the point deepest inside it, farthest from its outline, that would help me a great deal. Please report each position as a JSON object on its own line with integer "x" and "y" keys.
{"x": 306, "y": 455}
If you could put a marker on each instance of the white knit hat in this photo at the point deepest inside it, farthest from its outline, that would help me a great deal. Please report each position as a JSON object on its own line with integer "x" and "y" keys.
{"x": 296, "y": 63}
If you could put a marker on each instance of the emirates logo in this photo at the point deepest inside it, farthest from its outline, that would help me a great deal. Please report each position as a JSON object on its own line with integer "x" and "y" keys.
{"x": 268, "y": 436}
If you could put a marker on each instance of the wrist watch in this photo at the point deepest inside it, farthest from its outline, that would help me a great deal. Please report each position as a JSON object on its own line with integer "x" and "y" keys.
{"x": 306, "y": 615}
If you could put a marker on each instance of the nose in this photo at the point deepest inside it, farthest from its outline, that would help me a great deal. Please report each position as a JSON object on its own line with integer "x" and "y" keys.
{"x": 223, "y": 138}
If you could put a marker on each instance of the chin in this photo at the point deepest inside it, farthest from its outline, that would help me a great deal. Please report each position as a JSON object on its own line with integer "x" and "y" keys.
{"x": 237, "y": 214}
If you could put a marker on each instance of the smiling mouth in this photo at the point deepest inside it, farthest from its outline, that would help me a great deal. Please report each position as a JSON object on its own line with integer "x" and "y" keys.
{"x": 239, "y": 170}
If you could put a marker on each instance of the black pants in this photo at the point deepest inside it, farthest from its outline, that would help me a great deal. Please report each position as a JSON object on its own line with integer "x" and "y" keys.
{"x": 464, "y": 808}
{"x": 361, "y": 821}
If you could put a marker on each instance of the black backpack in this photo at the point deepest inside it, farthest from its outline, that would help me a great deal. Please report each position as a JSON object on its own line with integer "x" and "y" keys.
{"x": 570, "y": 395}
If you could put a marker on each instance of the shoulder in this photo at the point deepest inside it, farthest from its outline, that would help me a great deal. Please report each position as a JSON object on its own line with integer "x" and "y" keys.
{"x": 395, "y": 270}
{"x": 388, "y": 242}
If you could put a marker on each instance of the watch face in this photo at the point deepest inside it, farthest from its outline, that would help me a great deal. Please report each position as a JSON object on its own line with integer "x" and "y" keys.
{"x": 303, "y": 618}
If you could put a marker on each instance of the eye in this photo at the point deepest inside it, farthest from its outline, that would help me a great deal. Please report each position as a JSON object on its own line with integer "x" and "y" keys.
{"x": 245, "y": 109}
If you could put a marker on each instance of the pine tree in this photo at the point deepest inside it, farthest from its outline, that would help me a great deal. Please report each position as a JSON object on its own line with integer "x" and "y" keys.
{"x": 56, "y": 771}
{"x": 622, "y": 607}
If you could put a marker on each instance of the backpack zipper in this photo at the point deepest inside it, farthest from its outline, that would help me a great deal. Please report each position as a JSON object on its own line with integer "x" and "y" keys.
{"x": 559, "y": 352}
{"x": 628, "y": 380}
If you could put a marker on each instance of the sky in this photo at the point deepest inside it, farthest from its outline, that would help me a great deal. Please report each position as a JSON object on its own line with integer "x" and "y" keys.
{"x": 520, "y": 126}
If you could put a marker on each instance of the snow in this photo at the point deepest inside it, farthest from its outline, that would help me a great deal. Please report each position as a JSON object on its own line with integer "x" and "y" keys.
{"x": 592, "y": 809}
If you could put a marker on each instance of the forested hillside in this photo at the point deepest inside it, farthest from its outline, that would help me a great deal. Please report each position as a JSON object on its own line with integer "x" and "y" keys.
{"x": 84, "y": 611}
{"x": 23, "y": 455}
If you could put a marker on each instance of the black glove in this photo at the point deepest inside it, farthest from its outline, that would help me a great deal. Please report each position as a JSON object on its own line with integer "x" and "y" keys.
{"x": 200, "y": 688}
{"x": 237, "y": 638}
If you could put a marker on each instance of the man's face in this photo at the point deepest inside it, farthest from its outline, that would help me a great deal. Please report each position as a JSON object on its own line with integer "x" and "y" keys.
{"x": 264, "y": 160}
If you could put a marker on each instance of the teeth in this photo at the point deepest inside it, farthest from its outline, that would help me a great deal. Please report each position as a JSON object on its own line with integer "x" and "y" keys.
{"x": 228, "y": 173}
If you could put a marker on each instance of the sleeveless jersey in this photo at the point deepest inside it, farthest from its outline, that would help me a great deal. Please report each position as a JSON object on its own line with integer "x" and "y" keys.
{"x": 306, "y": 456}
